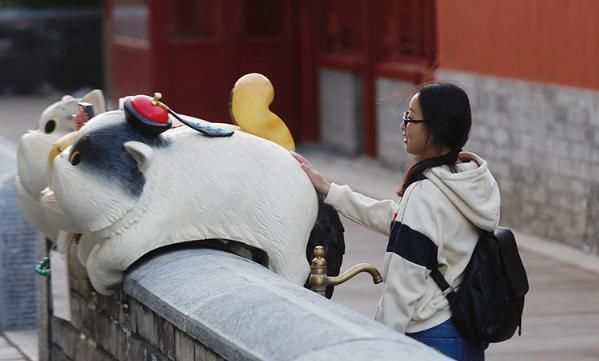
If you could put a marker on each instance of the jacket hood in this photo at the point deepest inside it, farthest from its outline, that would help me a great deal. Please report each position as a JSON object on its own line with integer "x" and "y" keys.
{"x": 472, "y": 189}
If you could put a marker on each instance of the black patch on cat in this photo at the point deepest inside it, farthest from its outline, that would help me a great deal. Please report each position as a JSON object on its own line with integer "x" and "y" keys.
{"x": 103, "y": 152}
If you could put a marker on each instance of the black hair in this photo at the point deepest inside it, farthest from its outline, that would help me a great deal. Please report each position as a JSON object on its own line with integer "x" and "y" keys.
{"x": 446, "y": 110}
{"x": 447, "y": 115}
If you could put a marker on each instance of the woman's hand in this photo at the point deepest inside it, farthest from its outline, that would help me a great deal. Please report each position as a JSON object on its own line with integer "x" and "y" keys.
{"x": 322, "y": 185}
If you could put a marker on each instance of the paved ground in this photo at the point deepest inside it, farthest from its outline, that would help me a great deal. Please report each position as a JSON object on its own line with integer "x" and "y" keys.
{"x": 16, "y": 116}
{"x": 21, "y": 113}
{"x": 561, "y": 317}
{"x": 8, "y": 352}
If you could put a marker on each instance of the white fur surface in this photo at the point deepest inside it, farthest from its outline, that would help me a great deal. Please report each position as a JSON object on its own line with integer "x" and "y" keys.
{"x": 241, "y": 188}
{"x": 33, "y": 212}
{"x": 32, "y": 157}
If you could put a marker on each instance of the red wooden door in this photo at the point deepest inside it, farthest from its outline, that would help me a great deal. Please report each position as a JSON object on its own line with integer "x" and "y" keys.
{"x": 391, "y": 39}
{"x": 266, "y": 42}
{"x": 206, "y": 45}
{"x": 129, "y": 48}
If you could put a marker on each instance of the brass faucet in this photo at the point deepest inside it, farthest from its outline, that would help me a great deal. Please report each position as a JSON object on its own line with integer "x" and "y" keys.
{"x": 318, "y": 274}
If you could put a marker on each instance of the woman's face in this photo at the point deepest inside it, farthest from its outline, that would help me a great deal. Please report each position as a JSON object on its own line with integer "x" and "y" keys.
{"x": 416, "y": 135}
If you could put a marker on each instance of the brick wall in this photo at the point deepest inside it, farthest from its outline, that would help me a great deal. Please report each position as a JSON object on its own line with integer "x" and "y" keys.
{"x": 341, "y": 111}
{"x": 115, "y": 328}
{"x": 393, "y": 98}
{"x": 542, "y": 143}
{"x": 105, "y": 328}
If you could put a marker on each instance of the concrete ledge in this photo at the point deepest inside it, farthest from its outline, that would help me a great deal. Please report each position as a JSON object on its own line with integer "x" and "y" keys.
{"x": 243, "y": 311}
{"x": 25, "y": 342}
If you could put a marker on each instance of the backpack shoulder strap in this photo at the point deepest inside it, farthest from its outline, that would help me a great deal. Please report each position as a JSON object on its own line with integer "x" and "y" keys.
{"x": 446, "y": 289}
{"x": 436, "y": 275}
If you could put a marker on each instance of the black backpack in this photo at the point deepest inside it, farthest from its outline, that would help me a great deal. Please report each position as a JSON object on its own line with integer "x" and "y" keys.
{"x": 487, "y": 306}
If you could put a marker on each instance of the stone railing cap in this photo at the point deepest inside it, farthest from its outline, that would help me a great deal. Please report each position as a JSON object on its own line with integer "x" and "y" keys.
{"x": 244, "y": 311}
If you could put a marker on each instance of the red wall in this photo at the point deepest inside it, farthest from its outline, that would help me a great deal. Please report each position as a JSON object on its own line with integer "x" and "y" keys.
{"x": 130, "y": 69}
{"x": 553, "y": 41}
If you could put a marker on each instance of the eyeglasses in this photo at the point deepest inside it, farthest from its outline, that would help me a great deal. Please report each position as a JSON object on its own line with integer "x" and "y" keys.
{"x": 407, "y": 119}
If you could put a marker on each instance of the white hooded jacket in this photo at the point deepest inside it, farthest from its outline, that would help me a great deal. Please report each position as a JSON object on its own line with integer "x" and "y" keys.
{"x": 440, "y": 215}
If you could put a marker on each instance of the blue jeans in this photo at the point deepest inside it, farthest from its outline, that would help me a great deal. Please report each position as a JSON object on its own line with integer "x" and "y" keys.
{"x": 446, "y": 339}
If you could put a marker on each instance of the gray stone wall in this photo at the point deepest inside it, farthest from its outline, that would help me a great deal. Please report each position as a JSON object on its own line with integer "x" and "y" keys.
{"x": 199, "y": 304}
{"x": 115, "y": 328}
{"x": 104, "y": 329}
{"x": 393, "y": 98}
{"x": 542, "y": 144}
{"x": 341, "y": 111}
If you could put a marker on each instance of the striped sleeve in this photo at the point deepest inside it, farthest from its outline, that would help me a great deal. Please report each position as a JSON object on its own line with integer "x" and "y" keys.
{"x": 411, "y": 245}
{"x": 374, "y": 214}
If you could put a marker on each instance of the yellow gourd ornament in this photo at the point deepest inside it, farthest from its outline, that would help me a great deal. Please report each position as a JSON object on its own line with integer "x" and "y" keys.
{"x": 251, "y": 97}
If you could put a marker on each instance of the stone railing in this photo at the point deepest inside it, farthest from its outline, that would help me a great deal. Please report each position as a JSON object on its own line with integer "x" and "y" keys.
{"x": 201, "y": 304}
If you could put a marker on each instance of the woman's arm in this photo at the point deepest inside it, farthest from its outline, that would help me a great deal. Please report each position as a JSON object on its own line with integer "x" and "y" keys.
{"x": 320, "y": 183}
{"x": 374, "y": 214}
{"x": 371, "y": 213}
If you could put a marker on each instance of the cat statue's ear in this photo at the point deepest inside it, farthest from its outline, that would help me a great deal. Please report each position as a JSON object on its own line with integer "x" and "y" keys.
{"x": 141, "y": 152}
{"x": 95, "y": 98}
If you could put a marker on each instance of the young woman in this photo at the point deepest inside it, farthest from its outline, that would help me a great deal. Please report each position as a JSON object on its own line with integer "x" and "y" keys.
{"x": 446, "y": 197}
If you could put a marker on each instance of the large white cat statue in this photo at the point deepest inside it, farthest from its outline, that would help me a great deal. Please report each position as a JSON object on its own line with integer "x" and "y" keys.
{"x": 130, "y": 192}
